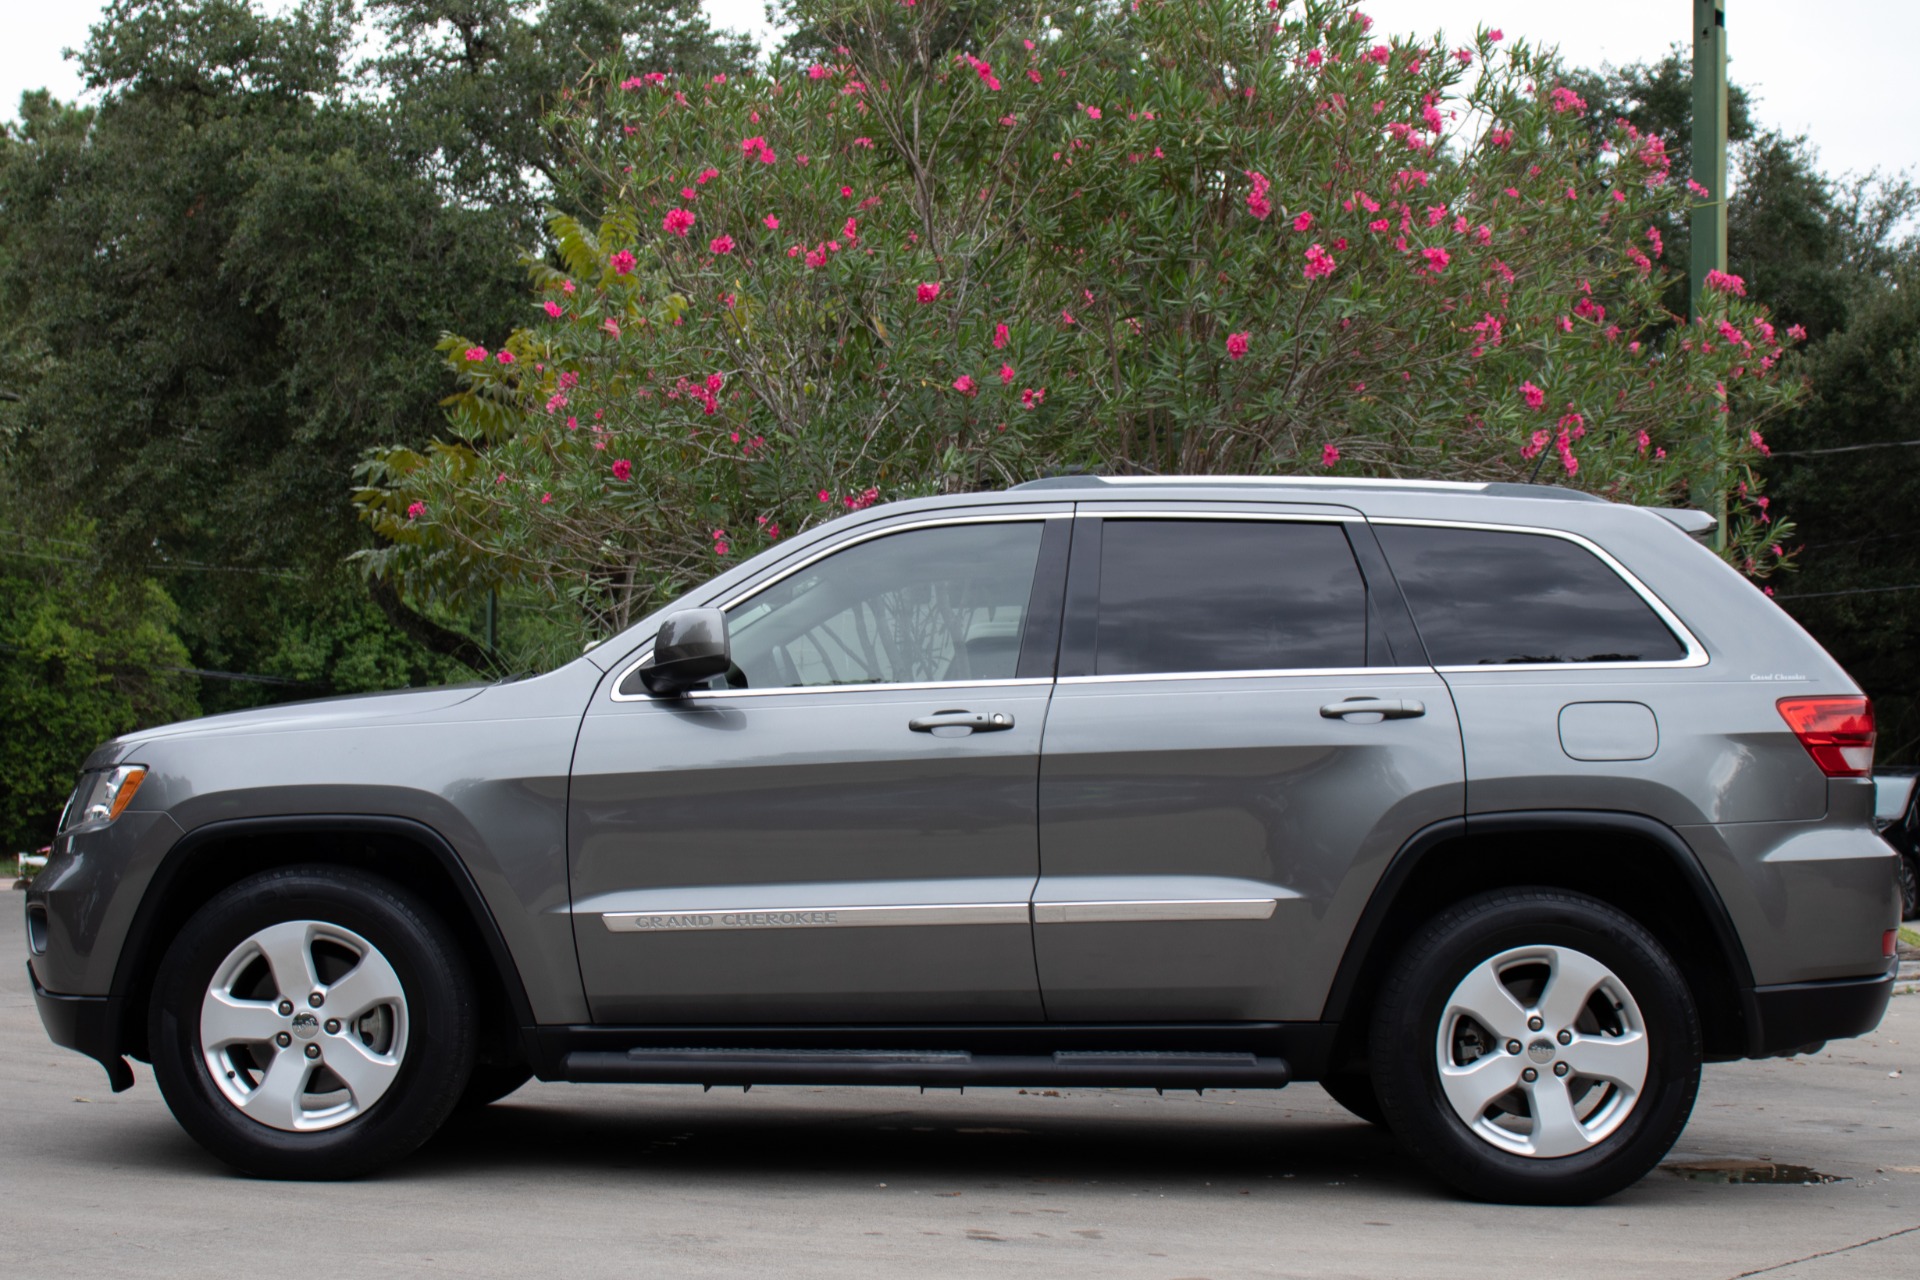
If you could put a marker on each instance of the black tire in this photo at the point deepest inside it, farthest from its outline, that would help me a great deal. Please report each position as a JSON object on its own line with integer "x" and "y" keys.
{"x": 1909, "y": 877}
{"x": 490, "y": 1082}
{"x": 1642, "y": 1010}
{"x": 1354, "y": 1091}
{"x": 431, "y": 1023}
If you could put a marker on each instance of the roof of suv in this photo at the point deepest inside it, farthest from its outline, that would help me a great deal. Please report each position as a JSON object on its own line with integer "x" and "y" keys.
{"x": 1492, "y": 489}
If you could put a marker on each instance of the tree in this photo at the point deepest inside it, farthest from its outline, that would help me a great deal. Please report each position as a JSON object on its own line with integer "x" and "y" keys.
{"x": 217, "y": 283}
{"x": 1177, "y": 236}
{"x": 85, "y": 653}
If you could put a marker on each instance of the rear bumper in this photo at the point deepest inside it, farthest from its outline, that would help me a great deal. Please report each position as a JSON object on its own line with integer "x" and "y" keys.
{"x": 88, "y": 1024}
{"x": 1797, "y": 1017}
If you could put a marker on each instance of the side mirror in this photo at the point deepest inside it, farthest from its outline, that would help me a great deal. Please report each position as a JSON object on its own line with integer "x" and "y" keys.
{"x": 691, "y": 648}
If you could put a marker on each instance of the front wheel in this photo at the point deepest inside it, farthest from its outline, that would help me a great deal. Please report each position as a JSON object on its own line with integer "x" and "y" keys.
{"x": 1908, "y": 875}
{"x": 312, "y": 1022}
{"x": 1535, "y": 1046}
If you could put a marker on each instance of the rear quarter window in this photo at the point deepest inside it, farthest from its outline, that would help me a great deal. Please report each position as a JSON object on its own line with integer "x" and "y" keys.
{"x": 1487, "y": 598}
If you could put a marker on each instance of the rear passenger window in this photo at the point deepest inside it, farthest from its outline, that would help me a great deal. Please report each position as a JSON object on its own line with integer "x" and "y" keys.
{"x": 1227, "y": 595}
{"x": 1482, "y": 598}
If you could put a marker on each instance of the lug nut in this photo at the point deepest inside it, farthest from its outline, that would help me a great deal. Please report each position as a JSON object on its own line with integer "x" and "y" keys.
{"x": 316, "y": 999}
{"x": 1529, "y": 1075}
{"x": 283, "y": 1039}
{"x": 1534, "y": 1023}
{"x": 1565, "y": 1037}
{"x": 286, "y": 1007}
{"x": 1513, "y": 1046}
{"x": 313, "y": 1051}
{"x": 333, "y": 1026}
{"x": 1560, "y": 1068}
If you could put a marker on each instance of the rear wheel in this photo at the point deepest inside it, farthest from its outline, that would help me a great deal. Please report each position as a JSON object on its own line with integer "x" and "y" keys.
{"x": 312, "y": 1022}
{"x": 1536, "y": 1047}
{"x": 1908, "y": 874}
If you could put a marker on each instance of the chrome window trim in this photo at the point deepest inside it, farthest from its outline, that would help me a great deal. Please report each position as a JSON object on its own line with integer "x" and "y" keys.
{"x": 1696, "y": 653}
{"x": 704, "y": 695}
{"x": 828, "y": 917}
{"x": 1143, "y": 910}
{"x": 1248, "y": 675}
{"x": 840, "y": 545}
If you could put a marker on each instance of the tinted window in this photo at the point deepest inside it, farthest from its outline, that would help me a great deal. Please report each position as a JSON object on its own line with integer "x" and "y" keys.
{"x": 945, "y": 603}
{"x": 1481, "y": 597}
{"x": 1222, "y": 595}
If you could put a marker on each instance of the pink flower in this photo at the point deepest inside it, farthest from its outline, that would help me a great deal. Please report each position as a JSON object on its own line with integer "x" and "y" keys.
{"x": 1796, "y": 333}
{"x": 1066, "y": 316}
{"x": 928, "y": 291}
{"x": 1502, "y": 138}
{"x": 504, "y": 357}
{"x": 999, "y": 337}
{"x": 817, "y": 72}
{"x": 553, "y": 309}
{"x": 1302, "y": 221}
{"x": 1726, "y": 282}
{"x": 1320, "y": 263}
{"x": 1257, "y": 203}
{"x": 1030, "y": 398}
{"x": 964, "y": 384}
{"x": 1565, "y": 100}
{"x": 678, "y": 221}
{"x": 1533, "y": 395}
{"x": 623, "y": 262}
{"x": 1006, "y": 375}
{"x": 417, "y": 510}
{"x": 1380, "y": 53}
{"x": 612, "y": 326}
{"x": 476, "y": 353}
{"x": 1329, "y": 454}
{"x": 1236, "y": 345}
{"x": 1437, "y": 259}
{"x": 706, "y": 176}
{"x": 622, "y": 469}
{"x": 1093, "y": 113}
{"x": 1496, "y": 35}
{"x": 772, "y": 223}
{"x": 825, "y": 496}
{"x": 1465, "y": 56}
{"x": 1380, "y": 226}
{"x": 721, "y": 244}
{"x": 1759, "y": 443}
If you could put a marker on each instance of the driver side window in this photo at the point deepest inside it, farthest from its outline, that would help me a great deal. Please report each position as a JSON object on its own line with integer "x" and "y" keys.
{"x": 925, "y": 605}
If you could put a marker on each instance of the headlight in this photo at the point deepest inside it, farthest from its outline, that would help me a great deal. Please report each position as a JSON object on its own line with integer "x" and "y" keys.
{"x": 102, "y": 796}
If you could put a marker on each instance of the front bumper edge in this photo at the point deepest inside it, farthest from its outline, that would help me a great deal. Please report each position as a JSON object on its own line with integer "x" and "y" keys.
{"x": 88, "y": 1024}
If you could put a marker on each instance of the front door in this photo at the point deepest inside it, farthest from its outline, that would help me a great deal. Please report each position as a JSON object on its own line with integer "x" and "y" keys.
{"x": 1211, "y": 819}
{"x": 845, "y": 829}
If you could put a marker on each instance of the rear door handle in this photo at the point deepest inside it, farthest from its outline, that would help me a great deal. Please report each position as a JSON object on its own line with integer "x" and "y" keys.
{"x": 964, "y": 721}
{"x": 1385, "y": 708}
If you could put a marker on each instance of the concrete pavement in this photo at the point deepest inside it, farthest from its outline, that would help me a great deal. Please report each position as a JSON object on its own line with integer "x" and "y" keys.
{"x": 657, "y": 1181}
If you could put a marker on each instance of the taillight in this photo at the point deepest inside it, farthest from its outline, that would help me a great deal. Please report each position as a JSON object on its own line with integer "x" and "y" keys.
{"x": 1837, "y": 733}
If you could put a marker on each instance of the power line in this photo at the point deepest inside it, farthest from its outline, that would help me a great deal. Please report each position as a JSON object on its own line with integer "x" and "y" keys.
{"x": 1845, "y": 448}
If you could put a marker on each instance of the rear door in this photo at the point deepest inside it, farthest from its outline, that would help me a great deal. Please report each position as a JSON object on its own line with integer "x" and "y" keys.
{"x": 1211, "y": 819}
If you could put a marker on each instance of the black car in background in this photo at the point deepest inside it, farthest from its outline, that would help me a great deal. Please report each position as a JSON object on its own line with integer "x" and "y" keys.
{"x": 1897, "y": 816}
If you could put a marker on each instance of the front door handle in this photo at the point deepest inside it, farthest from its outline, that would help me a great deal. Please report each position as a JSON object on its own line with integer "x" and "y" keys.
{"x": 957, "y": 724}
{"x": 1385, "y": 708}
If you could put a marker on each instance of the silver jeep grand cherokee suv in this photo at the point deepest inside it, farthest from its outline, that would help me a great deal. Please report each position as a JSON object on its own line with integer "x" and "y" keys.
{"x": 1494, "y": 809}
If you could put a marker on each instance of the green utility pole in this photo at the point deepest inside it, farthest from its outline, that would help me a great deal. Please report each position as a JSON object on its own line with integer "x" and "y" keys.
{"x": 1709, "y": 223}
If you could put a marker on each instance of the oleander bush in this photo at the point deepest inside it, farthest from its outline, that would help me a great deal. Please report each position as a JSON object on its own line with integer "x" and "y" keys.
{"x": 1171, "y": 236}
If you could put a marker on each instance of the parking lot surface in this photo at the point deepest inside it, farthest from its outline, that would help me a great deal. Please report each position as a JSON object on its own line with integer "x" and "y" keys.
{"x": 643, "y": 1180}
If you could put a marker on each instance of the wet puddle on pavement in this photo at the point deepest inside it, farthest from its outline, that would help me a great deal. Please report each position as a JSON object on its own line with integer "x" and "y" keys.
{"x": 1740, "y": 1169}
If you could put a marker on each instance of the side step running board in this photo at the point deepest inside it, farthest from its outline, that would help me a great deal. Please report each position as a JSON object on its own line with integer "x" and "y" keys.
{"x": 946, "y": 1068}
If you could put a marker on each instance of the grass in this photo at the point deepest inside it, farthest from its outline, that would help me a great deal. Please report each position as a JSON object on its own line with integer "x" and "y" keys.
{"x": 1910, "y": 935}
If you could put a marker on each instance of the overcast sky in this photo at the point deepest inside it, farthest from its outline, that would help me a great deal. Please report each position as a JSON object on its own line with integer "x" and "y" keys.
{"x": 1838, "y": 71}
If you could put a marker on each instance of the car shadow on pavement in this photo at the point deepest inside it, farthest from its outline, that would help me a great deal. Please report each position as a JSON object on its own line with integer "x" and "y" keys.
{"x": 924, "y": 1139}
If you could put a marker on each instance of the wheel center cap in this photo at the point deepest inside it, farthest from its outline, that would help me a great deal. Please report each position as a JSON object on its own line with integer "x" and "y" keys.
{"x": 307, "y": 1025}
{"x": 1540, "y": 1050}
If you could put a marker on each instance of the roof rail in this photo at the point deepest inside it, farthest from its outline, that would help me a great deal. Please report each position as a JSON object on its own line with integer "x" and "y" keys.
{"x": 1491, "y": 488}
